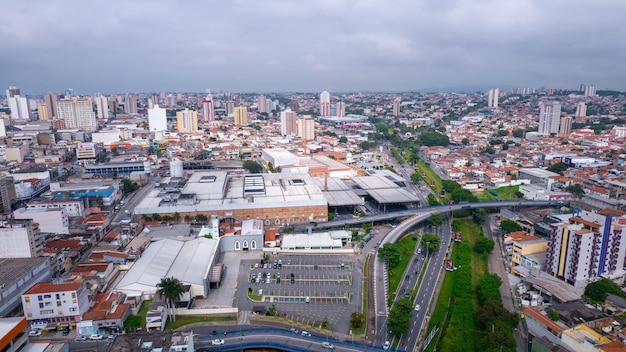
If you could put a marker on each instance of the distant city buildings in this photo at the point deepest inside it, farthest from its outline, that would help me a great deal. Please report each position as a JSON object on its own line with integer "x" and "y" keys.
{"x": 341, "y": 109}
{"x": 241, "y": 115}
{"x": 566, "y": 125}
{"x": 17, "y": 104}
{"x": 130, "y": 104}
{"x": 581, "y": 111}
{"x": 208, "y": 109}
{"x": 396, "y": 107}
{"x": 549, "y": 117}
{"x": 306, "y": 127}
{"x": 588, "y": 90}
{"x": 325, "y": 104}
{"x": 102, "y": 106}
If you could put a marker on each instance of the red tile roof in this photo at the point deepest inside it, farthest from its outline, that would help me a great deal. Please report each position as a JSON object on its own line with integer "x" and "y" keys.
{"x": 49, "y": 287}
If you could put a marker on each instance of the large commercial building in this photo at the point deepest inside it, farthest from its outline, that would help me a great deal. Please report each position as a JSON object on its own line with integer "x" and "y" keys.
{"x": 187, "y": 121}
{"x": 278, "y": 199}
{"x": 18, "y": 275}
{"x": 549, "y": 117}
{"x": 588, "y": 246}
{"x": 241, "y": 115}
{"x": 20, "y": 239}
{"x": 77, "y": 113}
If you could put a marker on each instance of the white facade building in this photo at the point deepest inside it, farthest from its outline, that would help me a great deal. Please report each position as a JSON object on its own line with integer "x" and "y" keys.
{"x": 56, "y": 303}
{"x": 53, "y": 220}
{"x": 157, "y": 119}
{"x": 549, "y": 117}
{"x": 102, "y": 106}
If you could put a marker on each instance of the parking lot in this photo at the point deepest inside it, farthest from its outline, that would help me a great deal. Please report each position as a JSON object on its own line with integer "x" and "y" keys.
{"x": 305, "y": 288}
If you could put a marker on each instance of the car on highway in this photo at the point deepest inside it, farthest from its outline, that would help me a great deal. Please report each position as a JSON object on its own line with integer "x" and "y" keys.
{"x": 35, "y": 332}
{"x": 304, "y": 333}
{"x": 217, "y": 342}
{"x": 294, "y": 330}
{"x": 386, "y": 345}
{"x": 328, "y": 345}
{"x": 418, "y": 307}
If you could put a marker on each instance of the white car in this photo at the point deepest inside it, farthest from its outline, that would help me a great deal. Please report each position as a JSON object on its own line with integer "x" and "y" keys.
{"x": 81, "y": 338}
{"x": 217, "y": 342}
{"x": 328, "y": 345}
{"x": 96, "y": 337}
{"x": 35, "y": 332}
{"x": 386, "y": 345}
{"x": 304, "y": 333}
{"x": 418, "y": 307}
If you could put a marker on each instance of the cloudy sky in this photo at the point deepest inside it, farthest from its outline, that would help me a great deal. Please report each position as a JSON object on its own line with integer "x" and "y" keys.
{"x": 310, "y": 45}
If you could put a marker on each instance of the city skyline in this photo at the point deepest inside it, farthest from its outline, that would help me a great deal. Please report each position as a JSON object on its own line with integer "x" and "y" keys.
{"x": 339, "y": 46}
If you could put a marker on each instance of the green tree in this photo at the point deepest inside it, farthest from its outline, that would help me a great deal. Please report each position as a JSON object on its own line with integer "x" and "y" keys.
{"x": 598, "y": 290}
{"x": 558, "y": 168}
{"x": 356, "y": 320}
{"x": 416, "y": 177}
{"x": 253, "y": 167}
{"x": 399, "y": 316}
{"x": 129, "y": 186}
{"x": 503, "y": 133}
{"x": 465, "y": 141}
{"x": 171, "y": 289}
{"x": 132, "y": 322}
{"x": 484, "y": 245}
{"x": 390, "y": 252}
{"x": 343, "y": 139}
{"x": 576, "y": 189}
{"x": 436, "y": 219}
{"x": 367, "y": 227}
{"x": 518, "y": 133}
{"x": 271, "y": 311}
{"x": 432, "y": 200}
{"x": 553, "y": 315}
{"x": 509, "y": 226}
{"x": 431, "y": 242}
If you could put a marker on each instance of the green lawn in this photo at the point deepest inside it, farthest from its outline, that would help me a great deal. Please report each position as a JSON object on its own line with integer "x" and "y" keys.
{"x": 503, "y": 193}
{"x": 442, "y": 308}
{"x": 431, "y": 176}
{"x": 406, "y": 246}
{"x": 143, "y": 311}
{"x": 471, "y": 233}
{"x": 185, "y": 320}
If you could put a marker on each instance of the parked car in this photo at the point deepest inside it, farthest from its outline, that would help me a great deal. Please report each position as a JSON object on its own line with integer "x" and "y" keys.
{"x": 35, "y": 332}
{"x": 304, "y": 333}
{"x": 386, "y": 345}
{"x": 81, "y": 338}
{"x": 96, "y": 337}
{"x": 217, "y": 342}
{"x": 295, "y": 331}
{"x": 111, "y": 337}
{"x": 66, "y": 331}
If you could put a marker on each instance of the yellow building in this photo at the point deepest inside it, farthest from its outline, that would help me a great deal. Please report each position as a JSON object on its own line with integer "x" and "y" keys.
{"x": 583, "y": 338}
{"x": 42, "y": 110}
{"x": 523, "y": 247}
{"x": 241, "y": 115}
{"x": 187, "y": 121}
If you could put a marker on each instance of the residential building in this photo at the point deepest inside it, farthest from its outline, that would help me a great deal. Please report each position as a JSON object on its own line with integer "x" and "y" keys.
{"x": 187, "y": 121}
{"x": 73, "y": 206}
{"x": 102, "y": 106}
{"x": 18, "y": 104}
{"x": 587, "y": 247}
{"x": 396, "y": 107}
{"x": 581, "y": 110}
{"x": 566, "y": 125}
{"x": 341, "y": 109}
{"x": 50, "y": 99}
{"x": 590, "y": 90}
{"x": 492, "y": 98}
{"x": 42, "y": 111}
{"x": 262, "y": 104}
{"x": 306, "y": 127}
{"x": 523, "y": 261}
{"x": 208, "y": 109}
{"x": 157, "y": 119}
{"x": 549, "y": 117}
{"x": 130, "y": 104}
{"x": 325, "y": 104}
{"x": 288, "y": 125}
{"x": 56, "y": 302}
{"x": 241, "y": 115}
{"x": 51, "y": 220}
{"x": 7, "y": 194}
{"x": 77, "y": 113}
{"x": 20, "y": 238}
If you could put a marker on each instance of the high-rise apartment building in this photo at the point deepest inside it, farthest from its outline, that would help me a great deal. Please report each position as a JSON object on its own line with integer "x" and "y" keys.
{"x": 325, "y": 104}
{"x": 114, "y": 104}
{"x": 157, "y": 119}
{"x": 51, "y": 102}
{"x": 549, "y": 117}
{"x": 492, "y": 98}
{"x": 341, "y": 109}
{"x": 208, "y": 109}
{"x": 187, "y": 121}
{"x": 17, "y": 104}
{"x": 566, "y": 125}
{"x": 262, "y": 104}
{"x": 306, "y": 127}
{"x": 102, "y": 106}
{"x": 241, "y": 115}
{"x": 7, "y": 191}
{"x": 230, "y": 108}
{"x": 130, "y": 104}
{"x": 288, "y": 124}
{"x": 590, "y": 91}
{"x": 42, "y": 111}
{"x": 396, "y": 107}
{"x": 20, "y": 239}
{"x": 586, "y": 247}
{"x": 77, "y": 113}
{"x": 581, "y": 111}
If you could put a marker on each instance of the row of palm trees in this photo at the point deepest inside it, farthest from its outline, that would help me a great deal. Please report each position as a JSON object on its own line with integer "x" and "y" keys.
{"x": 172, "y": 290}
